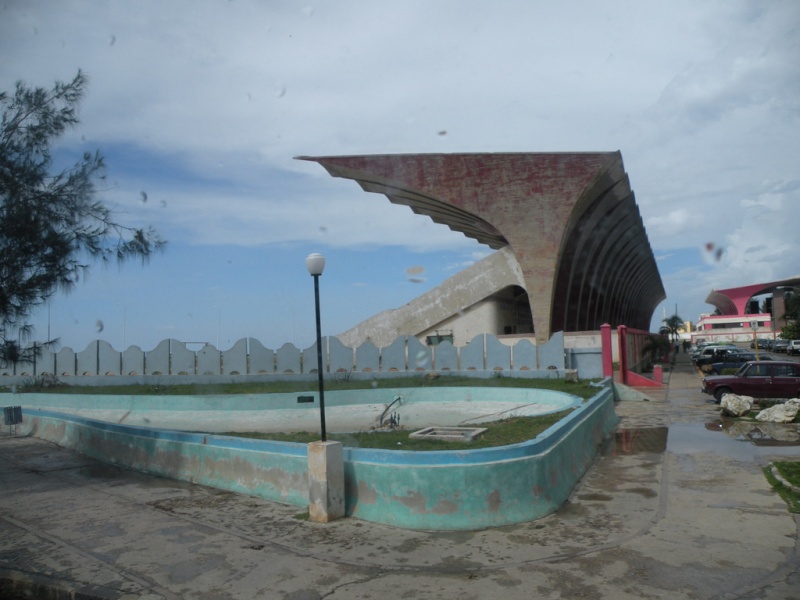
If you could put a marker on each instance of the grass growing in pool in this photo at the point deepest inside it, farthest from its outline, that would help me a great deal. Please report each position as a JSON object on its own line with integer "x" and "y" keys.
{"x": 499, "y": 433}
{"x": 582, "y": 389}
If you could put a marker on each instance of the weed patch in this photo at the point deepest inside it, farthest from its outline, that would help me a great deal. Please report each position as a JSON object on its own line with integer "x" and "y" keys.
{"x": 790, "y": 471}
{"x": 499, "y": 433}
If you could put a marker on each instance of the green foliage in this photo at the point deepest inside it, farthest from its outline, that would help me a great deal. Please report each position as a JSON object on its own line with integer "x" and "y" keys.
{"x": 41, "y": 383}
{"x": 790, "y": 471}
{"x": 51, "y": 226}
{"x": 791, "y": 331}
{"x": 671, "y": 326}
{"x": 499, "y": 433}
{"x": 582, "y": 389}
{"x": 656, "y": 347}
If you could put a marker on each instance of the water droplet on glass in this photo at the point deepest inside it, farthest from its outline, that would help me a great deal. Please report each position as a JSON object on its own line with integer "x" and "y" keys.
{"x": 308, "y": 11}
{"x": 143, "y": 196}
{"x": 280, "y": 91}
{"x": 112, "y": 41}
{"x": 442, "y": 132}
{"x": 99, "y": 325}
{"x": 422, "y": 359}
{"x": 323, "y": 229}
{"x": 413, "y": 274}
{"x": 712, "y": 253}
{"x": 163, "y": 204}
{"x": 374, "y": 385}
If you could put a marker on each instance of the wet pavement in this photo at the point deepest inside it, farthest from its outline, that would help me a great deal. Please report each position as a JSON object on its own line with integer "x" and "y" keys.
{"x": 675, "y": 507}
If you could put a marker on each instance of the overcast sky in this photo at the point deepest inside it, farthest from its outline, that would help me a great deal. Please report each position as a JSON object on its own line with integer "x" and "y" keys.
{"x": 199, "y": 108}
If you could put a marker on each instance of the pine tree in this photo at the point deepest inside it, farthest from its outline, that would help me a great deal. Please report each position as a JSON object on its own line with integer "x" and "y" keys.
{"x": 51, "y": 226}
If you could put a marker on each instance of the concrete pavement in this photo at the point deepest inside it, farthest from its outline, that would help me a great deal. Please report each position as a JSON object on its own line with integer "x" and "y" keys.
{"x": 676, "y": 507}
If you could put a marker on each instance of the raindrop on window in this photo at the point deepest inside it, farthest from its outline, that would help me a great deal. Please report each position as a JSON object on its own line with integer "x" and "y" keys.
{"x": 712, "y": 253}
{"x": 99, "y": 325}
{"x": 143, "y": 196}
{"x": 442, "y": 132}
{"x": 414, "y": 274}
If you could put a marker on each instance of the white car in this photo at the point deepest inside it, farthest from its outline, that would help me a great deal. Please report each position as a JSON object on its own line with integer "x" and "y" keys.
{"x": 793, "y": 347}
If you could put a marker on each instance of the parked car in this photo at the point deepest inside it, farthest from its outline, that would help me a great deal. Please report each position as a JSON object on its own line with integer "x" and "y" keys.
{"x": 780, "y": 345}
{"x": 717, "y": 355}
{"x": 762, "y": 343}
{"x": 709, "y": 350}
{"x": 793, "y": 348}
{"x": 768, "y": 379}
{"x": 734, "y": 361}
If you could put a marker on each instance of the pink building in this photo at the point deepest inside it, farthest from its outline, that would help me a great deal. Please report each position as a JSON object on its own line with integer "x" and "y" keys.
{"x": 740, "y": 317}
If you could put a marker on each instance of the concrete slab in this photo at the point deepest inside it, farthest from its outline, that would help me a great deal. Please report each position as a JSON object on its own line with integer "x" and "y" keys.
{"x": 676, "y": 507}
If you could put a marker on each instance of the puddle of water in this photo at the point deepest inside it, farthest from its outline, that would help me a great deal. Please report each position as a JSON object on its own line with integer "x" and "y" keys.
{"x": 639, "y": 440}
{"x": 760, "y": 434}
{"x": 740, "y": 440}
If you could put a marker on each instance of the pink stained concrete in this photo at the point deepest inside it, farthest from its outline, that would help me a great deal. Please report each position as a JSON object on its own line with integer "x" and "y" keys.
{"x": 554, "y": 210}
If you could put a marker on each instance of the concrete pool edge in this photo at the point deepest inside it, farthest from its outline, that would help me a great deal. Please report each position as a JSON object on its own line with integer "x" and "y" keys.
{"x": 456, "y": 490}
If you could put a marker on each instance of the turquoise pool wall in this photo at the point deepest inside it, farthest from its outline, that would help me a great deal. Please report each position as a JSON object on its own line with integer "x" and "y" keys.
{"x": 474, "y": 489}
{"x": 451, "y": 490}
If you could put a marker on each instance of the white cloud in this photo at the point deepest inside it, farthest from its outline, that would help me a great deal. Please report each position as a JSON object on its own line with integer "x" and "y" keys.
{"x": 703, "y": 100}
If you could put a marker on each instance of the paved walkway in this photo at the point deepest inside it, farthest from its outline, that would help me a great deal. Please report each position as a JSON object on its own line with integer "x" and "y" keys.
{"x": 676, "y": 507}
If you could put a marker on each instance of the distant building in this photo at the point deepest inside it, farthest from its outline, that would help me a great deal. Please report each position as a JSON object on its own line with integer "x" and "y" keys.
{"x": 740, "y": 316}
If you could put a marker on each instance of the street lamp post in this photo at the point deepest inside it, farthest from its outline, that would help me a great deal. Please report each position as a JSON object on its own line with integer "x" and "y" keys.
{"x": 315, "y": 263}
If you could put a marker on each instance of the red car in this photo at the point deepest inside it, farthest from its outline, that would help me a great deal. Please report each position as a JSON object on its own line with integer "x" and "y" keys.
{"x": 774, "y": 379}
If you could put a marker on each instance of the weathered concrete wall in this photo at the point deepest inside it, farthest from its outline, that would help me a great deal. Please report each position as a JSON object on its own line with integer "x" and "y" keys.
{"x": 276, "y": 471}
{"x": 172, "y": 361}
{"x": 346, "y": 410}
{"x": 441, "y": 307}
{"x": 453, "y": 490}
{"x": 473, "y": 489}
{"x": 570, "y": 220}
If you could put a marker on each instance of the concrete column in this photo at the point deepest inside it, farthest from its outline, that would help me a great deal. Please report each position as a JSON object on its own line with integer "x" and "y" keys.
{"x": 325, "y": 481}
{"x": 622, "y": 335}
{"x": 608, "y": 359}
{"x": 658, "y": 374}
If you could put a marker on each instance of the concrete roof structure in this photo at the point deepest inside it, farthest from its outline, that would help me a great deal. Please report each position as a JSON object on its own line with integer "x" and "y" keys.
{"x": 570, "y": 220}
{"x": 733, "y": 301}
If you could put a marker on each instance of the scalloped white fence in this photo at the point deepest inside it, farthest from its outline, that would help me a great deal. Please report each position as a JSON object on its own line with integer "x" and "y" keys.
{"x": 249, "y": 357}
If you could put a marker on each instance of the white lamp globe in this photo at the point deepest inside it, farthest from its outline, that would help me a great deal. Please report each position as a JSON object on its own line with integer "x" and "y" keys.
{"x": 315, "y": 263}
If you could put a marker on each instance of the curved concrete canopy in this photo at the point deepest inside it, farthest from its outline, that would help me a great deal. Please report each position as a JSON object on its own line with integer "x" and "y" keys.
{"x": 733, "y": 301}
{"x": 570, "y": 220}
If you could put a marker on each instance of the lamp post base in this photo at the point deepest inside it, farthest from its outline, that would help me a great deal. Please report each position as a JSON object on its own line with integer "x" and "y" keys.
{"x": 325, "y": 481}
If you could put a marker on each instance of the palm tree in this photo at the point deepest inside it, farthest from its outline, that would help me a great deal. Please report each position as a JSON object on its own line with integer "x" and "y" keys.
{"x": 671, "y": 327}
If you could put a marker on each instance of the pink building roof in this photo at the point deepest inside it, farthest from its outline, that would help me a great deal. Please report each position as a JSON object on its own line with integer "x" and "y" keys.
{"x": 733, "y": 301}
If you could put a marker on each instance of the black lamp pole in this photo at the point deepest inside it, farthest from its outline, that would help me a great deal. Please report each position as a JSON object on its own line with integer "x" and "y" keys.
{"x": 319, "y": 360}
{"x": 315, "y": 263}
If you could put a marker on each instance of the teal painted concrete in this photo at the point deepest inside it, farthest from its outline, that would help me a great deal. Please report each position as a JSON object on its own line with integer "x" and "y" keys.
{"x": 451, "y": 490}
{"x": 346, "y": 410}
{"x": 473, "y": 489}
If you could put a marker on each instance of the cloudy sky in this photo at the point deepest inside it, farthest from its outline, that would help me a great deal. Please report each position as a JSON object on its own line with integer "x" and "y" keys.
{"x": 201, "y": 106}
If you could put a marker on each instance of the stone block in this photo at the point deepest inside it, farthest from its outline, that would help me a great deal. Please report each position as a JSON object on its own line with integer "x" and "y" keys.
{"x": 325, "y": 481}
